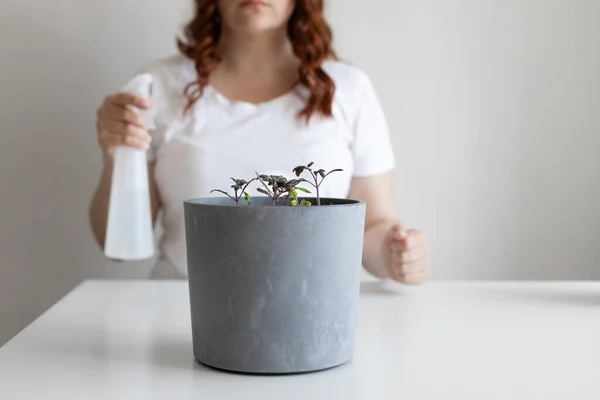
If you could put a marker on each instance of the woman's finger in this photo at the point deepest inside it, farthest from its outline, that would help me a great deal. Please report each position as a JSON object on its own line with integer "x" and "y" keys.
{"x": 398, "y": 245}
{"x": 413, "y": 279}
{"x": 415, "y": 240}
{"x": 128, "y": 99}
{"x": 401, "y": 257}
{"x": 109, "y": 139}
{"x": 125, "y": 129}
{"x": 122, "y": 114}
{"x": 410, "y": 268}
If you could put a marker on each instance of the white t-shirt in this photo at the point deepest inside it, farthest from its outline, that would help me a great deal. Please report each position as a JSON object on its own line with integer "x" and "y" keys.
{"x": 219, "y": 139}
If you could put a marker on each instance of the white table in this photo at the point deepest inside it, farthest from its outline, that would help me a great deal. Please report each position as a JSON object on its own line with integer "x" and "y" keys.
{"x": 131, "y": 340}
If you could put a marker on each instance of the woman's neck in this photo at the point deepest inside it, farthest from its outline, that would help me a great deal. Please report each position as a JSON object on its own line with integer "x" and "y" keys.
{"x": 267, "y": 53}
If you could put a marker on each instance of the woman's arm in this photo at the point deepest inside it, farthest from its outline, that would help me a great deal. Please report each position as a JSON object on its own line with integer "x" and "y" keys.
{"x": 98, "y": 211}
{"x": 390, "y": 251}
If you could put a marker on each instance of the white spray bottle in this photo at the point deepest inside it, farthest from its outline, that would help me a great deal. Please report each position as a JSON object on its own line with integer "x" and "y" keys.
{"x": 129, "y": 231}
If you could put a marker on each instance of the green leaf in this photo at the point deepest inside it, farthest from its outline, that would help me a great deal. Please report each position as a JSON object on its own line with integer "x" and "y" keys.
{"x": 322, "y": 173}
{"x": 302, "y": 189}
{"x": 298, "y": 171}
{"x": 305, "y": 203}
{"x": 263, "y": 191}
{"x": 247, "y": 198}
{"x": 294, "y": 203}
{"x": 311, "y": 164}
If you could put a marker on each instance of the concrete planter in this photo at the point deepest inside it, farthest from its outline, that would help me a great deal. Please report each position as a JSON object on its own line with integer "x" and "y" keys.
{"x": 274, "y": 289}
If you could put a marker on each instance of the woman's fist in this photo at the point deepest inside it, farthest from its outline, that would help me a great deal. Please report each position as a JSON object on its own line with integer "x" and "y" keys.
{"x": 119, "y": 125}
{"x": 408, "y": 258}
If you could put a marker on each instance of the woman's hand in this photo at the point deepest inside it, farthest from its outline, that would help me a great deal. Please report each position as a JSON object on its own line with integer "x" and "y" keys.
{"x": 389, "y": 250}
{"x": 119, "y": 125}
{"x": 407, "y": 256}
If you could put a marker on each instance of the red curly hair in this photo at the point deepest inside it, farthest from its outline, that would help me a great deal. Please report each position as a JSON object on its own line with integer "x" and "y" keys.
{"x": 310, "y": 36}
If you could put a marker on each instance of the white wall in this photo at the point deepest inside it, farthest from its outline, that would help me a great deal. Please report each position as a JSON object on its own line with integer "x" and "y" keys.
{"x": 494, "y": 107}
{"x": 58, "y": 59}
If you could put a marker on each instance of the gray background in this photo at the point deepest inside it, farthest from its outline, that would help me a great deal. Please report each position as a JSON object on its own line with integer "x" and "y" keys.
{"x": 494, "y": 106}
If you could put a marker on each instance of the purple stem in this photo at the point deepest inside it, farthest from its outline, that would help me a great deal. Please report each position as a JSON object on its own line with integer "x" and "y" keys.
{"x": 316, "y": 186}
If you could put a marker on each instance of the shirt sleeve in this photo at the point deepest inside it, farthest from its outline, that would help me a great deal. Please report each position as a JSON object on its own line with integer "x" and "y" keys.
{"x": 372, "y": 147}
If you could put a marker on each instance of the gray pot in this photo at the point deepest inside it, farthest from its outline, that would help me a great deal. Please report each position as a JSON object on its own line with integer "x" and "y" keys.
{"x": 274, "y": 289}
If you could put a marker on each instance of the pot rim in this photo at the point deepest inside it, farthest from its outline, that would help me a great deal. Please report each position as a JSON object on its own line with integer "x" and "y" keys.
{"x": 212, "y": 202}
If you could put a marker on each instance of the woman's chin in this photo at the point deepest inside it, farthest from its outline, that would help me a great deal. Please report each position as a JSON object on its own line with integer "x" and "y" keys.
{"x": 254, "y": 25}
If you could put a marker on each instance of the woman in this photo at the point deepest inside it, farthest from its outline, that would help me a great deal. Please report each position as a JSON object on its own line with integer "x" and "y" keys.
{"x": 257, "y": 87}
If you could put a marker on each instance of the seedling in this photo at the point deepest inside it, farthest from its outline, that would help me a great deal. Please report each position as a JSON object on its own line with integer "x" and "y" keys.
{"x": 239, "y": 189}
{"x": 278, "y": 187}
{"x": 316, "y": 182}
